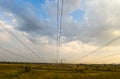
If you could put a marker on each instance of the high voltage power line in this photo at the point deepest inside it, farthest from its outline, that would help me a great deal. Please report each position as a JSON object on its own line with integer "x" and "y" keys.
{"x": 94, "y": 51}
{"x": 61, "y": 18}
{"x": 12, "y": 34}
{"x": 14, "y": 53}
{"x": 59, "y": 25}
{"x": 104, "y": 57}
{"x": 118, "y": 58}
{"x": 113, "y": 40}
{"x": 100, "y": 48}
{"x": 57, "y": 29}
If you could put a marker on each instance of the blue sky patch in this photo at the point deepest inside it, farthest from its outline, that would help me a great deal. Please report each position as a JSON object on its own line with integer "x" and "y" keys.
{"x": 78, "y": 15}
{"x": 38, "y": 5}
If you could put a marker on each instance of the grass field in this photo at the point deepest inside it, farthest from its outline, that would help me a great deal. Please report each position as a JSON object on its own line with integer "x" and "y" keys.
{"x": 58, "y": 71}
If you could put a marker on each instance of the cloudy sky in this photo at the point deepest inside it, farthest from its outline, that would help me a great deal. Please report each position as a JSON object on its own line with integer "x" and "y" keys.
{"x": 87, "y": 26}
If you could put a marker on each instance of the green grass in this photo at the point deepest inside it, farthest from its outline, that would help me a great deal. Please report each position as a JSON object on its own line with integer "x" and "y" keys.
{"x": 51, "y": 71}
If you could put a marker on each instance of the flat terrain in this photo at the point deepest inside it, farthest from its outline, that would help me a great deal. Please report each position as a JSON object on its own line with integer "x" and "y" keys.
{"x": 58, "y": 71}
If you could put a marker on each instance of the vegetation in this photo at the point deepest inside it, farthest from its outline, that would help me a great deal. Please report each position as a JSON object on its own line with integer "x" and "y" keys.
{"x": 58, "y": 71}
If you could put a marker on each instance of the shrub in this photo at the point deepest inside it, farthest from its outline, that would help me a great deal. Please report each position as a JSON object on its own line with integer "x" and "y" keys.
{"x": 28, "y": 68}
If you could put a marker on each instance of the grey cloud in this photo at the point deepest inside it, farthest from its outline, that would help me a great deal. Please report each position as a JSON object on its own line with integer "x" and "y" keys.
{"x": 100, "y": 19}
{"x": 27, "y": 19}
{"x": 26, "y": 16}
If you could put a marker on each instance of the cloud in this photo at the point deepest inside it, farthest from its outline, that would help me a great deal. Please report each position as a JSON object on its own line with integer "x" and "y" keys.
{"x": 26, "y": 19}
{"x": 4, "y": 37}
{"x": 100, "y": 20}
{"x": 97, "y": 19}
{"x": 25, "y": 16}
{"x": 98, "y": 24}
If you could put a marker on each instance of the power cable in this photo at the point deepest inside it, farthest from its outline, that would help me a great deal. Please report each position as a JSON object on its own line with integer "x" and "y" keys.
{"x": 12, "y": 34}
{"x": 14, "y": 53}
{"x": 100, "y": 47}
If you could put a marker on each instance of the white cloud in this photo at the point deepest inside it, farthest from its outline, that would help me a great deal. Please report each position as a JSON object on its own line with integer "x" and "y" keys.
{"x": 99, "y": 25}
{"x": 71, "y": 6}
{"x": 4, "y": 37}
{"x": 14, "y": 20}
{"x": 8, "y": 14}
